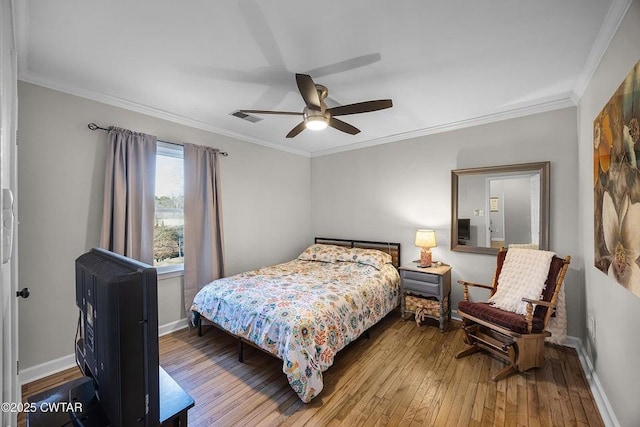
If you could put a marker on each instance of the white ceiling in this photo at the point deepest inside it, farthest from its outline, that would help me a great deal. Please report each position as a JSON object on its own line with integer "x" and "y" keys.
{"x": 445, "y": 64}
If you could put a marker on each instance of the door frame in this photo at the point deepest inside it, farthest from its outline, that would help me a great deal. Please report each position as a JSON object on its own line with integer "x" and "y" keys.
{"x": 8, "y": 179}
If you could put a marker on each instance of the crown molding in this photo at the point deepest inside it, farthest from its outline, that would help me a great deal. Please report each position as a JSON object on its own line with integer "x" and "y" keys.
{"x": 612, "y": 21}
{"x": 538, "y": 106}
{"x": 609, "y": 27}
{"x": 114, "y": 101}
{"x": 534, "y": 107}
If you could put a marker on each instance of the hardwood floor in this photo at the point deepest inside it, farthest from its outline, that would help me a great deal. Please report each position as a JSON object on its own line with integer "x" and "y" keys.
{"x": 402, "y": 375}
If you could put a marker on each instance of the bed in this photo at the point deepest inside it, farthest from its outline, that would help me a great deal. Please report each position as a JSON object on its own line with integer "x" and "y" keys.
{"x": 306, "y": 310}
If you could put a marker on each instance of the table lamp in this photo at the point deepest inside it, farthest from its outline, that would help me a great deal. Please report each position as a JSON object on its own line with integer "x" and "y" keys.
{"x": 425, "y": 239}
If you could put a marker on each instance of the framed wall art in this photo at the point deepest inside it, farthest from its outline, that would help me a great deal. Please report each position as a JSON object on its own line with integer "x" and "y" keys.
{"x": 616, "y": 184}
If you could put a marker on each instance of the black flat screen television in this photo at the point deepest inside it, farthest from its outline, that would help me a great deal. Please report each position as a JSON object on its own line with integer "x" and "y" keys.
{"x": 464, "y": 229}
{"x": 118, "y": 338}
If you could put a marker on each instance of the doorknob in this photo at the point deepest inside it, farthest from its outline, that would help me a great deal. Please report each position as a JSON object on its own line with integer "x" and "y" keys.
{"x": 24, "y": 293}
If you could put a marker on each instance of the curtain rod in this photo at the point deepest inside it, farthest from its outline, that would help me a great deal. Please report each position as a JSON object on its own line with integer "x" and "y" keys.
{"x": 94, "y": 126}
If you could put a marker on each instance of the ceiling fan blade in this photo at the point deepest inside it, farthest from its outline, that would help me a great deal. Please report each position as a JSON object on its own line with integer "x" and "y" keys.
{"x": 262, "y": 33}
{"x": 349, "y": 64}
{"x": 288, "y": 113}
{"x": 361, "y": 107}
{"x": 296, "y": 130}
{"x": 342, "y": 126}
{"x": 308, "y": 91}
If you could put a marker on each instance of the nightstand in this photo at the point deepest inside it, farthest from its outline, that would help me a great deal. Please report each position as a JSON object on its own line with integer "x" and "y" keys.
{"x": 432, "y": 283}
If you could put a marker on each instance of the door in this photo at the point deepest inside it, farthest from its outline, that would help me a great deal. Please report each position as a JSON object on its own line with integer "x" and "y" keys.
{"x": 495, "y": 208}
{"x": 8, "y": 262}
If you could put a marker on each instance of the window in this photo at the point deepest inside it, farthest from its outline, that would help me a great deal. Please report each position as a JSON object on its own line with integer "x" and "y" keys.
{"x": 168, "y": 231}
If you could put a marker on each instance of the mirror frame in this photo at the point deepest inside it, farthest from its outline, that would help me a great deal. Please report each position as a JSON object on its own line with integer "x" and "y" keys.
{"x": 543, "y": 168}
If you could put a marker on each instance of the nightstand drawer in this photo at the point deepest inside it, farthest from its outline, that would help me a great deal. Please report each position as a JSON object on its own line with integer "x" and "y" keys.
{"x": 422, "y": 287}
{"x": 421, "y": 277}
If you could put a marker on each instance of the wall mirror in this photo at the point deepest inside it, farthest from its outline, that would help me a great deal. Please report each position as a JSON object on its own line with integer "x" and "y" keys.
{"x": 498, "y": 206}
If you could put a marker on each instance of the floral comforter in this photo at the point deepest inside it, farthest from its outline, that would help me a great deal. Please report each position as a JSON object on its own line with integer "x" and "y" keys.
{"x": 304, "y": 312}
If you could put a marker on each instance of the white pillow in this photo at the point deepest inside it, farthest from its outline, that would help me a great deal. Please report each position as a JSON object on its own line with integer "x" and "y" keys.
{"x": 523, "y": 275}
{"x": 372, "y": 257}
{"x": 322, "y": 253}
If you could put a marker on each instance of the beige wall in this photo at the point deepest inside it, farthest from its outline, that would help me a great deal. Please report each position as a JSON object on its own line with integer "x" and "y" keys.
{"x": 614, "y": 352}
{"x": 388, "y": 191}
{"x": 266, "y": 207}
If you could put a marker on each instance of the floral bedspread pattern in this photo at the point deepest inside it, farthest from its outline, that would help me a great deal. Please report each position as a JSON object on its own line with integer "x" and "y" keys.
{"x": 304, "y": 312}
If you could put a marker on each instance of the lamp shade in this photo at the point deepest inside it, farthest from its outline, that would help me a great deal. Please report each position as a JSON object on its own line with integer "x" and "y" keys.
{"x": 425, "y": 239}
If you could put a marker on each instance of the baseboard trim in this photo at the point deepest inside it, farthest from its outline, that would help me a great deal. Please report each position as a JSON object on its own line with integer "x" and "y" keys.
{"x": 25, "y": 376}
{"x": 51, "y": 367}
{"x": 173, "y": 327}
{"x": 600, "y": 397}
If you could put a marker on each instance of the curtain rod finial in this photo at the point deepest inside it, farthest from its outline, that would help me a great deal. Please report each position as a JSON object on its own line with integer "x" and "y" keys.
{"x": 94, "y": 126}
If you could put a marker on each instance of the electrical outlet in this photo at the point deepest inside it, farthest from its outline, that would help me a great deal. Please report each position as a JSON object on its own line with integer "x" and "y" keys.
{"x": 592, "y": 328}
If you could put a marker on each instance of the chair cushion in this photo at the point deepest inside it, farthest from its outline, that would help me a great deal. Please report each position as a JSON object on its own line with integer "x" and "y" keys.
{"x": 507, "y": 319}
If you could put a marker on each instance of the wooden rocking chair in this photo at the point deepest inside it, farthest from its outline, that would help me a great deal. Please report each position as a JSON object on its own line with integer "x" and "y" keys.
{"x": 514, "y": 338}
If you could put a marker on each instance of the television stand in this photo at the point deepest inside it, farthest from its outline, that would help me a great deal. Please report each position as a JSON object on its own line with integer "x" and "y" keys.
{"x": 174, "y": 404}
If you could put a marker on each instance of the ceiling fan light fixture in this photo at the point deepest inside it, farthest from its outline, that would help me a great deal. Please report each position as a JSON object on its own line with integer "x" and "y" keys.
{"x": 315, "y": 122}
{"x": 315, "y": 119}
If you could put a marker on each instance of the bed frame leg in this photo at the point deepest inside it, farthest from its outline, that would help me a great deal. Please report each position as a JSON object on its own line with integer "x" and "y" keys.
{"x": 240, "y": 351}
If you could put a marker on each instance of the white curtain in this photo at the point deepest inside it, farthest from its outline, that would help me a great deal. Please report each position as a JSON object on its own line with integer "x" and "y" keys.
{"x": 203, "y": 238}
{"x": 129, "y": 194}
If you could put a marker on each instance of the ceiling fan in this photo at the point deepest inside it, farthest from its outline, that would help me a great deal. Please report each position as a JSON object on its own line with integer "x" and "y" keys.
{"x": 316, "y": 115}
